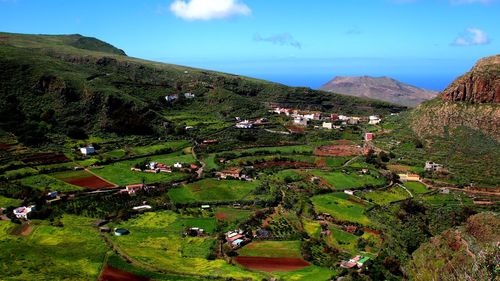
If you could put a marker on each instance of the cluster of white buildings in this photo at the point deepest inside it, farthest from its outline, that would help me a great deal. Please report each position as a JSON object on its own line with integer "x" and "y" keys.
{"x": 248, "y": 124}
{"x": 303, "y": 117}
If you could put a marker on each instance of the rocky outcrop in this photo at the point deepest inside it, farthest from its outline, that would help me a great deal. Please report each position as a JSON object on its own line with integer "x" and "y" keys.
{"x": 471, "y": 101}
{"x": 480, "y": 85}
{"x": 381, "y": 88}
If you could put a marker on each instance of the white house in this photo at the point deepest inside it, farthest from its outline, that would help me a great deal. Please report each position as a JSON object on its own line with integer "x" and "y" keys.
{"x": 350, "y": 192}
{"x": 374, "y": 120}
{"x": 300, "y": 121}
{"x": 88, "y": 150}
{"x": 178, "y": 165}
{"x": 22, "y": 212}
{"x": 189, "y": 95}
{"x": 433, "y": 167}
{"x": 343, "y": 118}
{"x": 170, "y": 98}
{"x": 328, "y": 125}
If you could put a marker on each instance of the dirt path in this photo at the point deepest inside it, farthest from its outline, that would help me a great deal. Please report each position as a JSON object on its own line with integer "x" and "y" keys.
{"x": 199, "y": 172}
{"x": 468, "y": 191}
{"x": 404, "y": 187}
{"x": 350, "y": 161}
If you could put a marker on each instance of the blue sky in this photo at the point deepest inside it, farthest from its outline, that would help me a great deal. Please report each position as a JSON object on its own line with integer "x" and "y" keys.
{"x": 297, "y": 42}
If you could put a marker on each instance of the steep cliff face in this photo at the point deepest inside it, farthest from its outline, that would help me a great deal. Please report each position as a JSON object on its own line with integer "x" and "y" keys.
{"x": 471, "y": 101}
{"x": 480, "y": 85}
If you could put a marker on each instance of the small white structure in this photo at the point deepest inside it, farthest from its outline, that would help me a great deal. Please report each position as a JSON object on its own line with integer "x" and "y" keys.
{"x": 343, "y": 118}
{"x": 328, "y": 125}
{"x": 22, "y": 212}
{"x": 301, "y": 121}
{"x": 237, "y": 242}
{"x": 189, "y": 95}
{"x": 374, "y": 120}
{"x": 245, "y": 124}
{"x": 433, "y": 167}
{"x": 152, "y": 165}
{"x": 178, "y": 165}
{"x": 350, "y": 192}
{"x": 170, "y": 98}
{"x": 140, "y": 208}
{"x": 88, "y": 150}
{"x": 205, "y": 207}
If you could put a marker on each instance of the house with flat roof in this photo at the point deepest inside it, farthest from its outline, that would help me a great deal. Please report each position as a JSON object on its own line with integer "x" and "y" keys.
{"x": 88, "y": 150}
{"x": 409, "y": 177}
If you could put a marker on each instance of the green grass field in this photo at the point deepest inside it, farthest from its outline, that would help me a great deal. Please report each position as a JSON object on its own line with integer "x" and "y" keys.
{"x": 66, "y": 175}
{"x": 9, "y": 202}
{"x": 41, "y": 182}
{"x": 48, "y": 253}
{"x": 212, "y": 190}
{"x": 342, "y": 240}
{"x": 119, "y": 172}
{"x": 416, "y": 187}
{"x": 338, "y": 205}
{"x": 231, "y": 214}
{"x": 155, "y": 240}
{"x": 272, "y": 249}
{"x": 386, "y": 196}
{"x": 343, "y": 181}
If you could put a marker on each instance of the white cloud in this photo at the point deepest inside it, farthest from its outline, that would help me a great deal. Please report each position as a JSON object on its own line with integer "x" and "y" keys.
{"x": 282, "y": 39}
{"x": 471, "y": 37}
{"x": 208, "y": 9}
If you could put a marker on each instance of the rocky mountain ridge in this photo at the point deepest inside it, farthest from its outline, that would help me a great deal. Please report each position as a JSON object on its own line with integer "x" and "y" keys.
{"x": 480, "y": 85}
{"x": 471, "y": 101}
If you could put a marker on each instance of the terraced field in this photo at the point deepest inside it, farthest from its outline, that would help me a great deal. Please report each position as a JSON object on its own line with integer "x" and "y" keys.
{"x": 212, "y": 190}
{"x": 342, "y": 206}
{"x": 48, "y": 252}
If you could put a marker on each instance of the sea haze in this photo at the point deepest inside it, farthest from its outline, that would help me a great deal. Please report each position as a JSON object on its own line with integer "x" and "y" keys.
{"x": 430, "y": 74}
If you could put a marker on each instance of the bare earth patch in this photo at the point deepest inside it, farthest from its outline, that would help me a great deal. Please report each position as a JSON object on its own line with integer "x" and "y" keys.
{"x": 112, "y": 274}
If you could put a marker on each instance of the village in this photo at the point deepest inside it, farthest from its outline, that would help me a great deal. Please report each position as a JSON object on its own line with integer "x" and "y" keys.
{"x": 240, "y": 200}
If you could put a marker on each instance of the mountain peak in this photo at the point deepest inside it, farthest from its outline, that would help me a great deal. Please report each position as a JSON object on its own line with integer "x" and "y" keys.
{"x": 383, "y": 88}
{"x": 480, "y": 85}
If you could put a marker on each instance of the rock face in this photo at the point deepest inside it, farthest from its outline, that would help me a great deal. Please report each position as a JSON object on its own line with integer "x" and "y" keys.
{"x": 381, "y": 88}
{"x": 461, "y": 252}
{"x": 471, "y": 101}
{"x": 480, "y": 85}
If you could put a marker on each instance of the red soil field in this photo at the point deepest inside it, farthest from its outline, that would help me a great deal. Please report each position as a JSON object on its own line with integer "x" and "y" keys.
{"x": 45, "y": 158}
{"x": 91, "y": 182}
{"x": 221, "y": 216}
{"x": 4, "y": 146}
{"x": 272, "y": 264}
{"x": 291, "y": 164}
{"x": 338, "y": 150}
{"x": 112, "y": 274}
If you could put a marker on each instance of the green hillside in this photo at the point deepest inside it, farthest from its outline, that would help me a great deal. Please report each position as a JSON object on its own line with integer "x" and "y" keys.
{"x": 74, "y": 85}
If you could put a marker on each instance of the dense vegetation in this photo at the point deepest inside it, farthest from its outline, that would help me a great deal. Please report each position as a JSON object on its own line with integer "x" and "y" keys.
{"x": 298, "y": 212}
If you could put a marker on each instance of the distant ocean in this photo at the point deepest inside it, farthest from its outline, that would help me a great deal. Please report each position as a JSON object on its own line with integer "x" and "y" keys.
{"x": 434, "y": 83}
{"x": 430, "y": 74}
